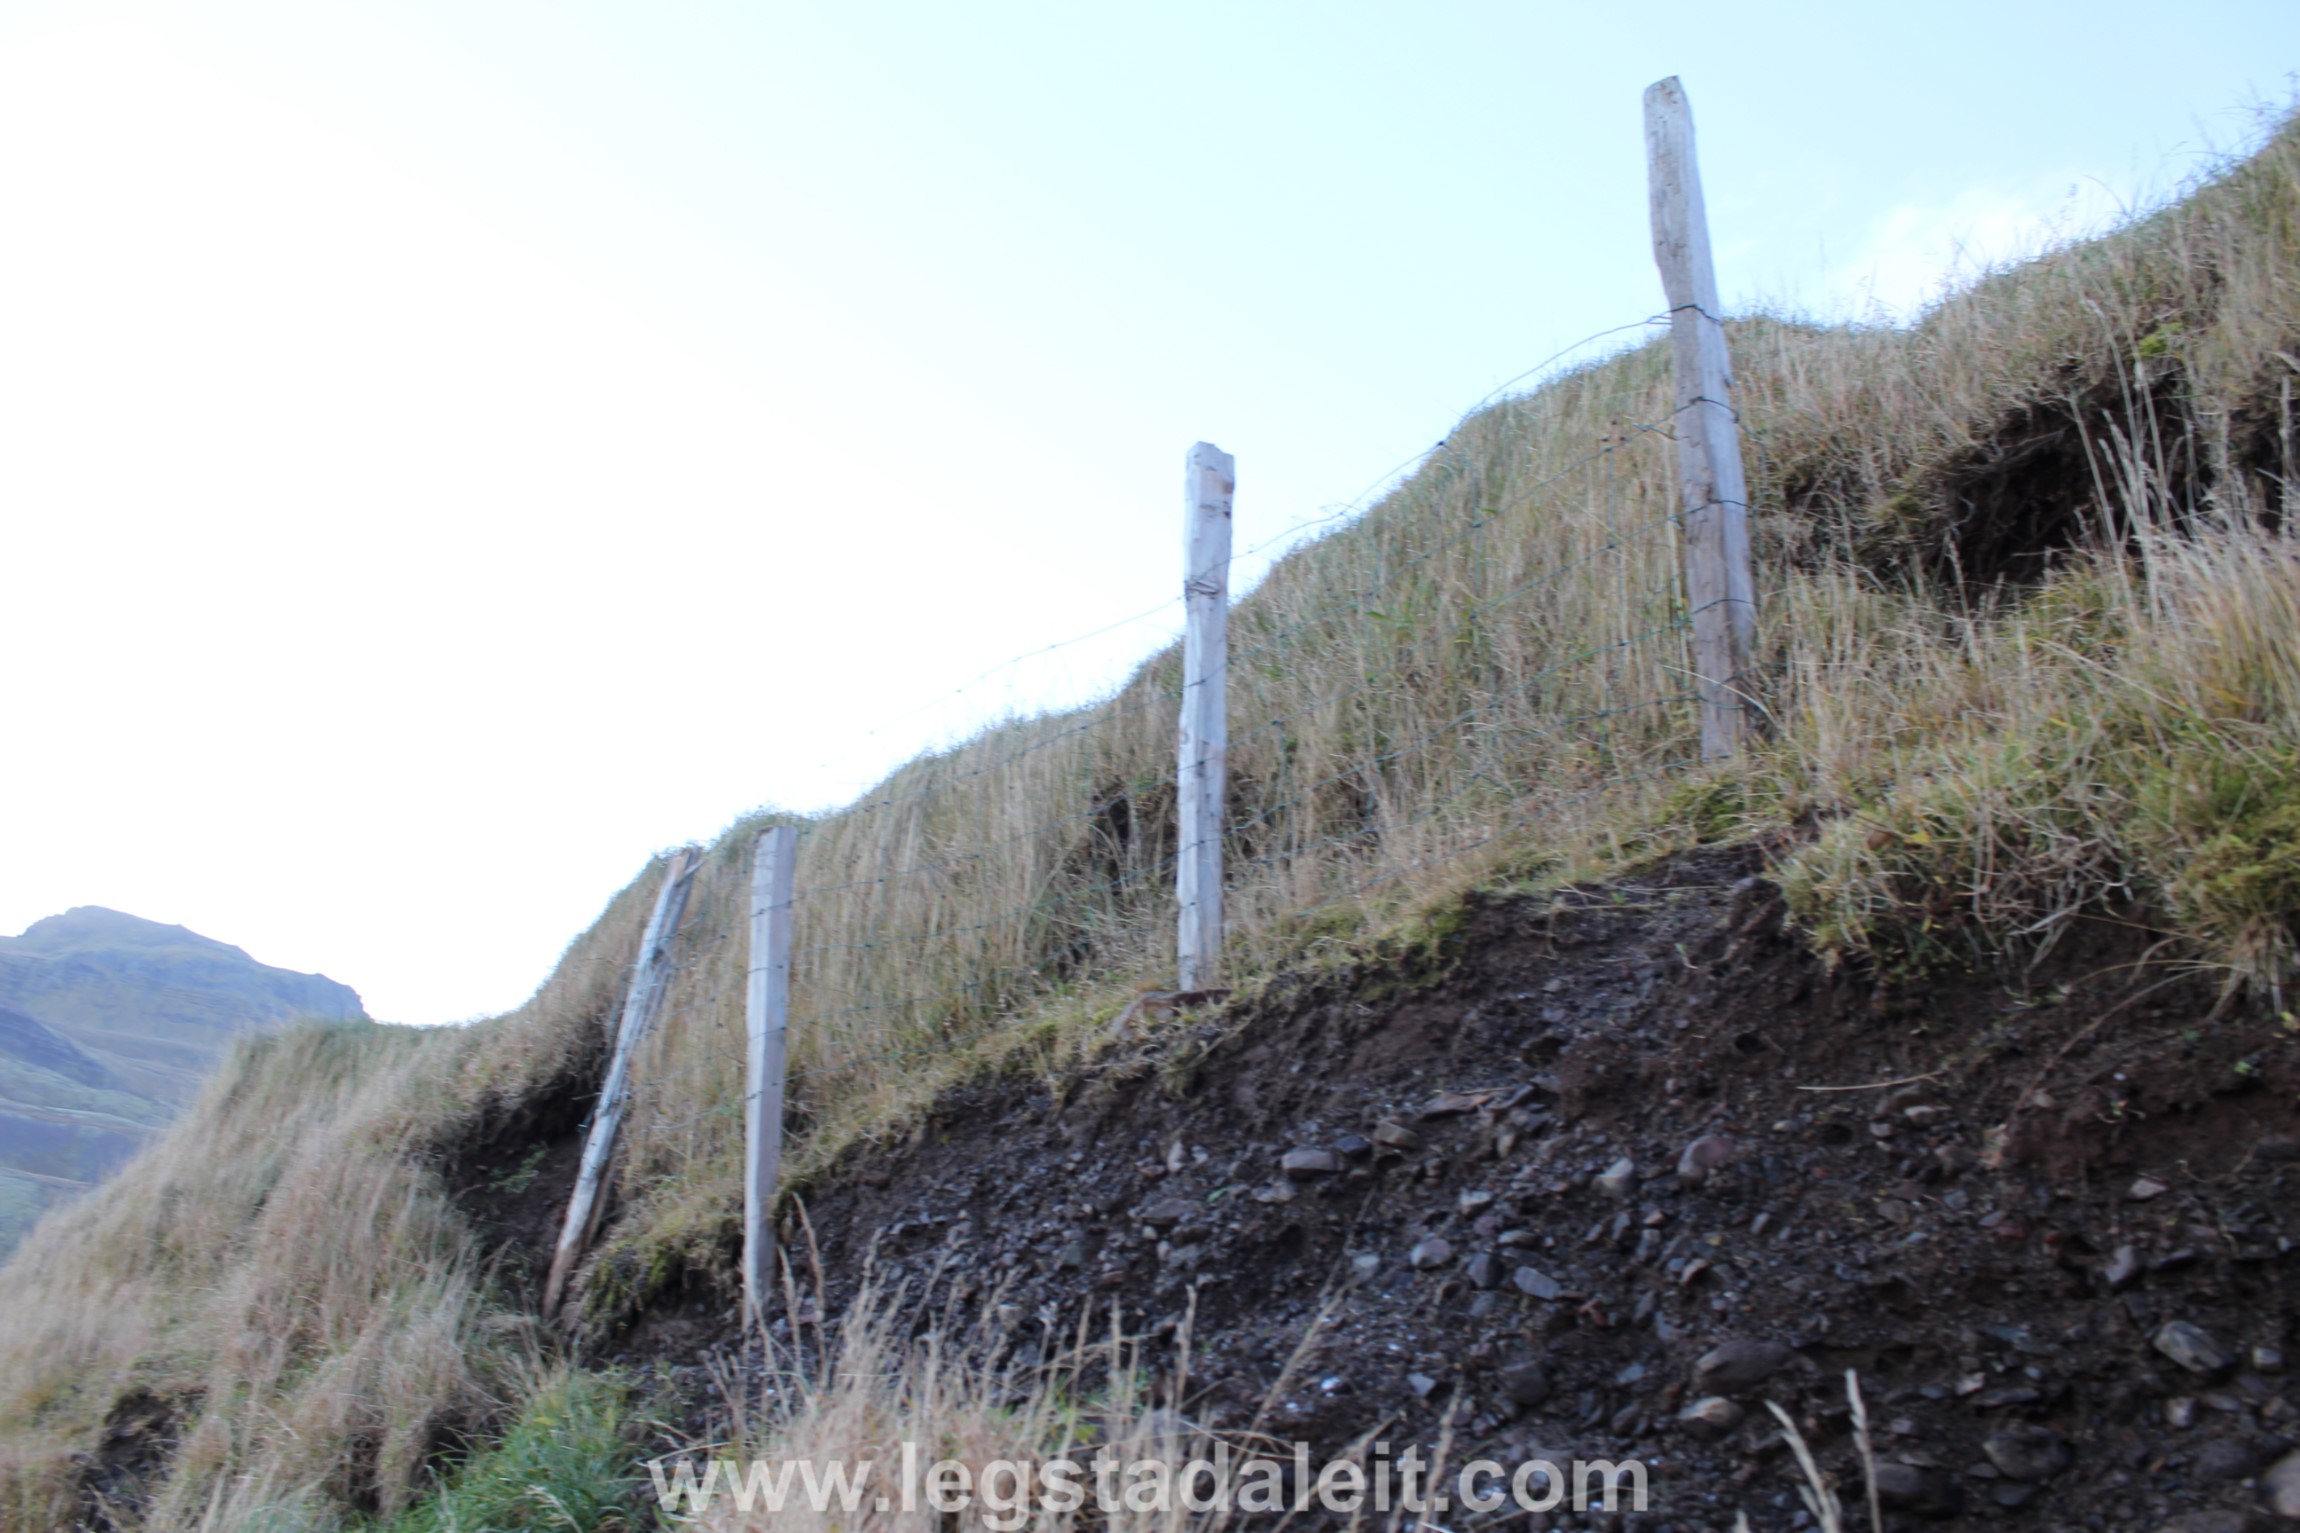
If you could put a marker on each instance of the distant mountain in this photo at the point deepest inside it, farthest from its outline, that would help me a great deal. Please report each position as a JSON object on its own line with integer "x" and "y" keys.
{"x": 108, "y": 1024}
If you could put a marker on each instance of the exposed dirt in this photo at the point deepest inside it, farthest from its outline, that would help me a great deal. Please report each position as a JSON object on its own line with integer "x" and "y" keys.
{"x": 512, "y": 1179}
{"x": 140, "y": 1437}
{"x": 2000, "y": 1278}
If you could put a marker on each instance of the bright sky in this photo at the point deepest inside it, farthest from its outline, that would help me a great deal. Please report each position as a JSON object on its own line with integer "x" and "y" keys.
{"x": 451, "y": 450}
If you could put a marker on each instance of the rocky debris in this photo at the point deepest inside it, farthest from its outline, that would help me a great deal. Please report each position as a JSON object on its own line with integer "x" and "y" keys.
{"x": 1928, "y": 1493}
{"x": 1736, "y": 1367}
{"x": 1704, "y": 1156}
{"x": 2028, "y": 1453}
{"x": 1710, "y": 1417}
{"x": 2192, "y": 1349}
{"x": 1422, "y": 1385}
{"x": 1307, "y": 1165}
{"x": 1619, "y": 1180}
{"x": 1978, "y": 1284}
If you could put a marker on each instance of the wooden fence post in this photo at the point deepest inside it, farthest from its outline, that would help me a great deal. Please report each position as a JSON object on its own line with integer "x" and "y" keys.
{"x": 1210, "y": 483}
{"x": 1712, "y": 488}
{"x": 650, "y": 977}
{"x": 773, "y": 862}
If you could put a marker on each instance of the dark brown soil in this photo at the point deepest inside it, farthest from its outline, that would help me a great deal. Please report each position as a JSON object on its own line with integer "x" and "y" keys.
{"x": 1988, "y": 1198}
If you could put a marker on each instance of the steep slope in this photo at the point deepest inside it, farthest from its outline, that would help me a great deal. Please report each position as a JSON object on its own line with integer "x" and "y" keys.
{"x": 2021, "y": 826}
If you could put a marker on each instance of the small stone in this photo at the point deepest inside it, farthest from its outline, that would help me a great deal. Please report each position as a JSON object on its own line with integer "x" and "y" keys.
{"x": 2192, "y": 1348}
{"x": 2180, "y": 1412}
{"x": 1353, "y": 1146}
{"x": 2145, "y": 1188}
{"x": 2280, "y": 1487}
{"x": 1366, "y": 1267}
{"x": 1277, "y": 1192}
{"x": 1436, "y": 1251}
{"x": 1525, "y": 1384}
{"x": 1736, "y": 1367}
{"x": 1422, "y": 1385}
{"x": 1929, "y": 1493}
{"x": 2123, "y": 1266}
{"x": 1475, "y": 1201}
{"x": 1704, "y": 1156}
{"x": 1535, "y": 1282}
{"x": 1072, "y": 1256}
{"x": 1452, "y": 1104}
{"x": 1709, "y": 1418}
{"x": 2267, "y": 1360}
{"x": 1484, "y": 1270}
{"x": 2029, "y": 1454}
{"x": 1619, "y": 1180}
{"x": 1392, "y": 1135}
{"x": 1517, "y": 1238}
{"x": 1166, "y": 1212}
{"x": 1305, "y": 1165}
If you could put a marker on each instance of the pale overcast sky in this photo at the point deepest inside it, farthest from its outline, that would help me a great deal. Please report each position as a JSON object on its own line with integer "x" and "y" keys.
{"x": 450, "y": 450}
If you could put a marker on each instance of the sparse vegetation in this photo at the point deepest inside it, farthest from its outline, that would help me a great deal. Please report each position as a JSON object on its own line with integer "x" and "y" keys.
{"x": 2033, "y": 651}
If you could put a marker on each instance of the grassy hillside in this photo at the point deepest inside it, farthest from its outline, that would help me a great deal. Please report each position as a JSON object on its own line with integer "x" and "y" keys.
{"x": 2030, "y": 649}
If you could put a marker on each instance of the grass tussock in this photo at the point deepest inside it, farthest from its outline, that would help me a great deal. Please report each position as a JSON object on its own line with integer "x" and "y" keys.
{"x": 2029, "y": 651}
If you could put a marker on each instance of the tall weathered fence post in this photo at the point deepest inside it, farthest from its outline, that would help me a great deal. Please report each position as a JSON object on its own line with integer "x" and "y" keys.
{"x": 1210, "y": 483}
{"x": 768, "y": 1008}
{"x": 1711, "y": 485}
{"x": 650, "y": 977}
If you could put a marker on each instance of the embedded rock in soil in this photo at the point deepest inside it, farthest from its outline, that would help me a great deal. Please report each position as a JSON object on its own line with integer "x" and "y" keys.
{"x": 1525, "y": 1384}
{"x": 1619, "y": 1180}
{"x": 2192, "y": 1348}
{"x": 1710, "y": 1153}
{"x": 1302, "y": 1165}
{"x": 2280, "y": 1487}
{"x": 1709, "y": 1418}
{"x": 1740, "y": 1366}
{"x": 1433, "y": 1252}
{"x": 1536, "y": 1283}
{"x": 2030, "y": 1454}
{"x": 1926, "y": 1492}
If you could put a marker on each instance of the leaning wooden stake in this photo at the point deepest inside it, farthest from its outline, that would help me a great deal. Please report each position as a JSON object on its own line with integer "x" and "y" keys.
{"x": 1204, "y": 765}
{"x": 772, "y": 863}
{"x": 650, "y": 976}
{"x": 1712, "y": 488}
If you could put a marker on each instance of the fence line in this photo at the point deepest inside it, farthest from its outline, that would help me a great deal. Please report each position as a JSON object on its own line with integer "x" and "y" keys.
{"x": 1421, "y": 692}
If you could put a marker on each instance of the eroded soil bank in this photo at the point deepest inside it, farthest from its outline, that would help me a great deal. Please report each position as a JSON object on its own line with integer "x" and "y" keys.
{"x": 1608, "y": 1132}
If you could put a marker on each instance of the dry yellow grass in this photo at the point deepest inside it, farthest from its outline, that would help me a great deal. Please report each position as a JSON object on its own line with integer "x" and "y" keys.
{"x": 1478, "y": 679}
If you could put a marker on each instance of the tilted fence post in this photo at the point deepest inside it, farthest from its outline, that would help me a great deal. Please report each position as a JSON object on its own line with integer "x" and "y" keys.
{"x": 768, "y": 1010}
{"x": 650, "y": 977}
{"x": 1712, "y": 487}
{"x": 1205, "y": 744}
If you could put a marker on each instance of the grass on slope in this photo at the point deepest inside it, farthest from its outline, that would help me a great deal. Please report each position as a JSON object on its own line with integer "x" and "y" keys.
{"x": 2029, "y": 647}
